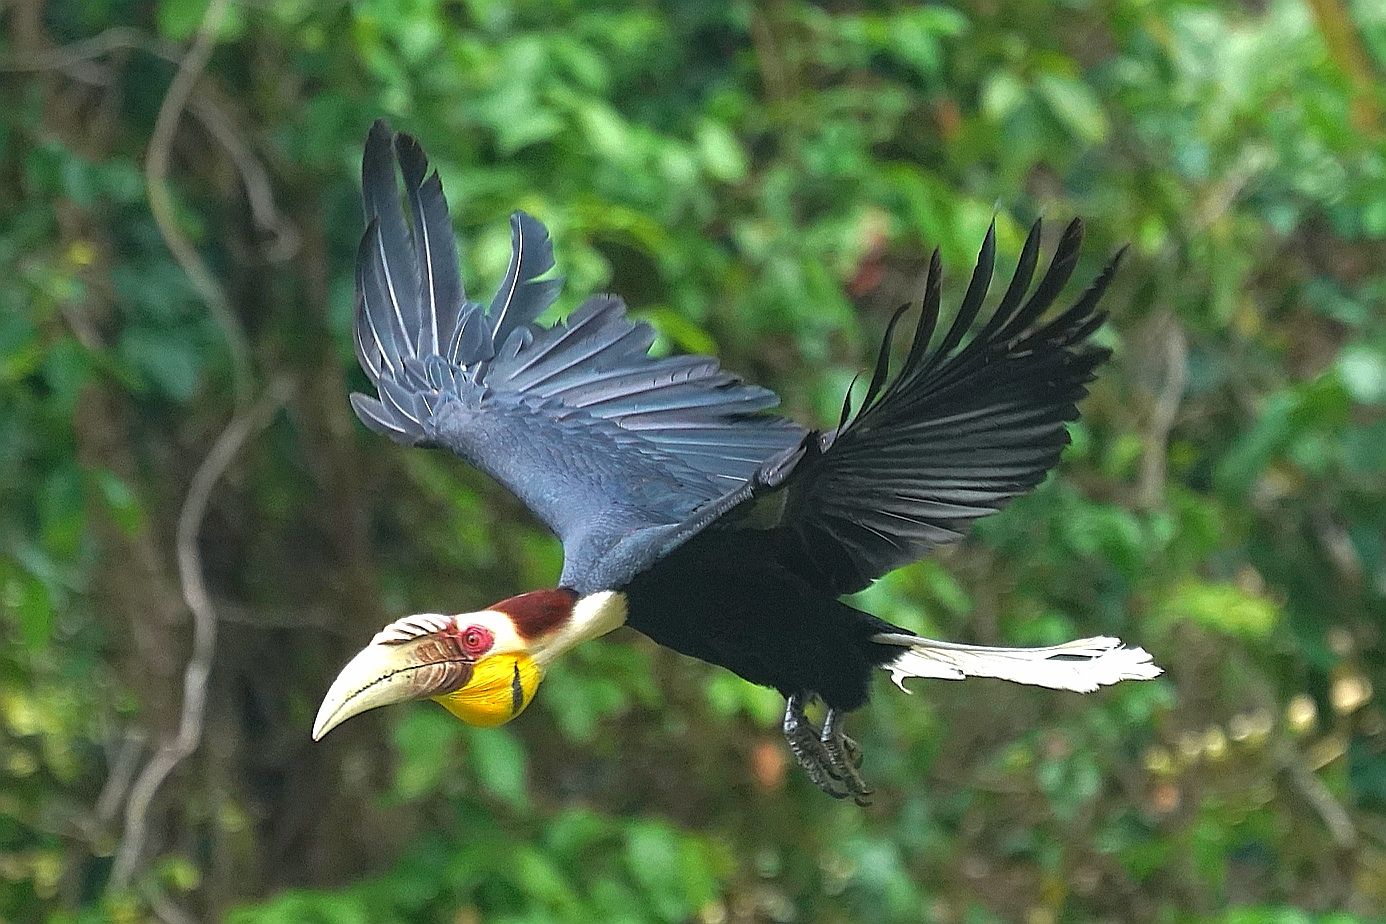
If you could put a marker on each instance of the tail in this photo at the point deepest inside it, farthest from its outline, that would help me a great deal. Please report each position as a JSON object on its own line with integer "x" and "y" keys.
{"x": 1081, "y": 666}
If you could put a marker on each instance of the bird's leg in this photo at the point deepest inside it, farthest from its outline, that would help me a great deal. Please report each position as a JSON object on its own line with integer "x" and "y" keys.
{"x": 807, "y": 747}
{"x": 844, "y": 757}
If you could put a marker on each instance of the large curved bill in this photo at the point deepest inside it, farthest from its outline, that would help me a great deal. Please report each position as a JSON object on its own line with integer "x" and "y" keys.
{"x": 391, "y": 672}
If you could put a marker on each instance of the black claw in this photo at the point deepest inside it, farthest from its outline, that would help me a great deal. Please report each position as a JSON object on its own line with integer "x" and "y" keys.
{"x": 853, "y": 751}
{"x": 829, "y": 757}
{"x": 807, "y": 748}
{"x": 843, "y": 754}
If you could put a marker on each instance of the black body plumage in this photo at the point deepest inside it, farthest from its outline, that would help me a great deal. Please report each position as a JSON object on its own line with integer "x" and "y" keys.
{"x": 732, "y": 531}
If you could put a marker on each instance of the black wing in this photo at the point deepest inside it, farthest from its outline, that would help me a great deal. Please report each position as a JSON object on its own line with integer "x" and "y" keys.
{"x": 961, "y": 430}
{"x": 599, "y": 439}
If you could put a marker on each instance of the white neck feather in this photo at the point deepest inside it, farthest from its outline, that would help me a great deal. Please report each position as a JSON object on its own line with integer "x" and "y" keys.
{"x": 593, "y": 616}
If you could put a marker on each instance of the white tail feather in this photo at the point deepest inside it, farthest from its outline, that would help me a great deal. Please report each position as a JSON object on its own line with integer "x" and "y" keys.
{"x": 1081, "y": 666}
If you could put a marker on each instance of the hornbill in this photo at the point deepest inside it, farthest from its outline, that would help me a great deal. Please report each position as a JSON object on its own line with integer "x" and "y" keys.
{"x": 685, "y": 510}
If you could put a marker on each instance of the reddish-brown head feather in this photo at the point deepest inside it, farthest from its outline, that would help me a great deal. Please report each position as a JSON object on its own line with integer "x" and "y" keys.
{"x": 538, "y": 612}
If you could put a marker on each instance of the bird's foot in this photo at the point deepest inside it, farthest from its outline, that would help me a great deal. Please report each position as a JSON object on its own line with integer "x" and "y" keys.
{"x": 830, "y": 758}
{"x": 845, "y": 757}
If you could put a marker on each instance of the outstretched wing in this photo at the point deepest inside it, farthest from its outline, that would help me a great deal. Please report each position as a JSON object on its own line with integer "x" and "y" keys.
{"x": 595, "y": 436}
{"x": 960, "y": 431}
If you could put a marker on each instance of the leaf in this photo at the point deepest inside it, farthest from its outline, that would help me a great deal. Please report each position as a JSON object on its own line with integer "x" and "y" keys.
{"x": 30, "y": 600}
{"x": 682, "y": 332}
{"x": 1286, "y": 416}
{"x": 67, "y": 369}
{"x": 121, "y": 502}
{"x": 1222, "y": 607}
{"x": 1002, "y": 95}
{"x": 544, "y": 880}
{"x": 179, "y": 19}
{"x": 655, "y": 857}
{"x": 1363, "y": 371}
{"x": 499, "y": 764}
{"x": 169, "y": 361}
{"x": 914, "y": 37}
{"x": 1074, "y": 104}
{"x": 720, "y": 152}
{"x": 426, "y": 742}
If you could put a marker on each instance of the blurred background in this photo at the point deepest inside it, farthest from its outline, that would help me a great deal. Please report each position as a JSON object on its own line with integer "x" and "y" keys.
{"x": 196, "y": 533}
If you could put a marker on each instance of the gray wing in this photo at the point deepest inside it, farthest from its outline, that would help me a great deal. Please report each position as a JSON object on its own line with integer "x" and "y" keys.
{"x": 959, "y": 432}
{"x": 596, "y": 437}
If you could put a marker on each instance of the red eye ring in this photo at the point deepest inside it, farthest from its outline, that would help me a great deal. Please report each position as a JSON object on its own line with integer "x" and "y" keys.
{"x": 476, "y": 639}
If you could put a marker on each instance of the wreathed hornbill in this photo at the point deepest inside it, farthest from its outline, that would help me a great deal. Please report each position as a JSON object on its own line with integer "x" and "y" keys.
{"x": 685, "y": 510}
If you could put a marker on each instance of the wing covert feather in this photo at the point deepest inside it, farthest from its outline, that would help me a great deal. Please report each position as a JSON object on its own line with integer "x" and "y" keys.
{"x": 598, "y": 438}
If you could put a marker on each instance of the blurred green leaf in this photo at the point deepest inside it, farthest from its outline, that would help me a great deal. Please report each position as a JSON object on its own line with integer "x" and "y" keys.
{"x": 499, "y": 764}
{"x": 427, "y": 744}
{"x": 1073, "y": 103}
{"x": 1224, "y": 608}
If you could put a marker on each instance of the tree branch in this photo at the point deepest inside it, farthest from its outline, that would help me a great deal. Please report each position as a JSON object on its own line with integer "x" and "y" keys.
{"x": 161, "y": 198}
{"x": 1151, "y": 481}
{"x": 73, "y": 59}
{"x": 199, "y": 666}
{"x": 1346, "y": 49}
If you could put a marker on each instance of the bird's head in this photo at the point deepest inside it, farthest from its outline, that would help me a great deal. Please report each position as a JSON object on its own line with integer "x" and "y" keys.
{"x": 483, "y": 667}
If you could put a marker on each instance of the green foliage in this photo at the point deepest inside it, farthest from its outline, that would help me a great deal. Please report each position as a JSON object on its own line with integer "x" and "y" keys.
{"x": 763, "y": 181}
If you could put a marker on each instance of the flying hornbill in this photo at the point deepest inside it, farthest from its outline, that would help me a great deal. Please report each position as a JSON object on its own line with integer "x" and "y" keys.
{"x": 685, "y": 510}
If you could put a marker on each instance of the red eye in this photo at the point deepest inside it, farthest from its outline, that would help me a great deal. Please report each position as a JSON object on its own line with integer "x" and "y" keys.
{"x": 476, "y": 639}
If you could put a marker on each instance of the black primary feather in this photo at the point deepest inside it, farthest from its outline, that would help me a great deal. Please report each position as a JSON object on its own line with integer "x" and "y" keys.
{"x": 440, "y": 284}
{"x": 962, "y": 428}
{"x": 400, "y": 309}
{"x": 522, "y": 296}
